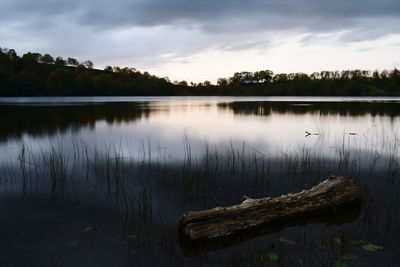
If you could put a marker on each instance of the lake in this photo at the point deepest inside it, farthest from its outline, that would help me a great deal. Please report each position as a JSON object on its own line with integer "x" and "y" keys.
{"x": 104, "y": 180}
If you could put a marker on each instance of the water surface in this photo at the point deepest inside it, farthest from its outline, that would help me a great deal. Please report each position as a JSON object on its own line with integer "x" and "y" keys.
{"x": 271, "y": 125}
{"x": 103, "y": 181}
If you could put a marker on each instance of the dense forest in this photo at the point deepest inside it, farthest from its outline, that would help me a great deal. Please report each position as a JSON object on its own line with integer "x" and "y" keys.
{"x": 34, "y": 74}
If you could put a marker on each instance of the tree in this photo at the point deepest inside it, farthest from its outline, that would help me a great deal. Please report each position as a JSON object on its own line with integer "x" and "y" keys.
{"x": 345, "y": 75}
{"x": 395, "y": 73}
{"x": 146, "y": 75}
{"x": 315, "y": 76}
{"x": 47, "y": 59}
{"x": 301, "y": 77}
{"x": 183, "y": 83}
{"x": 356, "y": 74}
{"x": 126, "y": 70}
{"x": 31, "y": 57}
{"x": 207, "y": 83}
{"x": 384, "y": 74}
{"x": 60, "y": 61}
{"x": 88, "y": 64}
{"x": 12, "y": 54}
{"x": 72, "y": 62}
{"x": 326, "y": 75}
{"x": 3, "y": 56}
{"x": 264, "y": 76}
{"x": 376, "y": 75}
{"x": 365, "y": 73}
{"x": 243, "y": 77}
{"x": 116, "y": 69}
{"x": 281, "y": 77}
{"x": 222, "y": 82}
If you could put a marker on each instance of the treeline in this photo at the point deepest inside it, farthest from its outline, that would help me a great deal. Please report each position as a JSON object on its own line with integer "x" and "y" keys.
{"x": 325, "y": 83}
{"x": 34, "y": 74}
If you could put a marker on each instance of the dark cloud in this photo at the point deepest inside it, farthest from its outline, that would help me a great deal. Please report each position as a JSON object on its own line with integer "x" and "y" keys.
{"x": 210, "y": 15}
{"x": 146, "y": 30}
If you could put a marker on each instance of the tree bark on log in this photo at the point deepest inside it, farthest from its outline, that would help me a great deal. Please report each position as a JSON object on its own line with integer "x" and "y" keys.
{"x": 219, "y": 226}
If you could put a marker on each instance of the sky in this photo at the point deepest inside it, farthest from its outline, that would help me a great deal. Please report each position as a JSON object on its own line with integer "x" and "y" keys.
{"x": 207, "y": 39}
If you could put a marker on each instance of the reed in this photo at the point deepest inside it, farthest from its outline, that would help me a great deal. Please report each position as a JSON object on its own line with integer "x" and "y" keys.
{"x": 131, "y": 179}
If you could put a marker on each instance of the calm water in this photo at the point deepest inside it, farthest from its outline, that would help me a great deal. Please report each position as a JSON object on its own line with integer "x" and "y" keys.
{"x": 271, "y": 125}
{"x": 178, "y": 154}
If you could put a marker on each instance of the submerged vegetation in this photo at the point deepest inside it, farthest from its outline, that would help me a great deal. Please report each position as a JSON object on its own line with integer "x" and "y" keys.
{"x": 34, "y": 74}
{"x": 151, "y": 191}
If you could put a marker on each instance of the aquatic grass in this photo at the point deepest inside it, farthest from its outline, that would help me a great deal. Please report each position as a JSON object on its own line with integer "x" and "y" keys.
{"x": 110, "y": 165}
{"x": 130, "y": 182}
{"x": 22, "y": 165}
{"x": 57, "y": 167}
{"x": 206, "y": 159}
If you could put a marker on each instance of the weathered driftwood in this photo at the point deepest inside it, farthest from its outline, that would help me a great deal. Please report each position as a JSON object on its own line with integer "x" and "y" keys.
{"x": 335, "y": 196}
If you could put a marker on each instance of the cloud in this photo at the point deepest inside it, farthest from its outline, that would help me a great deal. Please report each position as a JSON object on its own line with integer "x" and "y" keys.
{"x": 142, "y": 32}
{"x": 209, "y": 15}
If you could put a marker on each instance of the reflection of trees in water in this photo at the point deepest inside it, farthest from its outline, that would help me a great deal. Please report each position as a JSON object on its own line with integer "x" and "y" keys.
{"x": 50, "y": 120}
{"x": 390, "y": 109}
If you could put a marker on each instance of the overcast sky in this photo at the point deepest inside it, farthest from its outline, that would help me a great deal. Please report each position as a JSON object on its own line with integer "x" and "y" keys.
{"x": 206, "y": 39}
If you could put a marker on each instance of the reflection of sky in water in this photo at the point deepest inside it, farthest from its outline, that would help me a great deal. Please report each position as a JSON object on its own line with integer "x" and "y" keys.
{"x": 269, "y": 127}
{"x": 168, "y": 120}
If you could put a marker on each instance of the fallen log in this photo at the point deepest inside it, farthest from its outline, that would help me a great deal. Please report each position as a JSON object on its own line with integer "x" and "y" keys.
{"x": 333, "y": 199}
